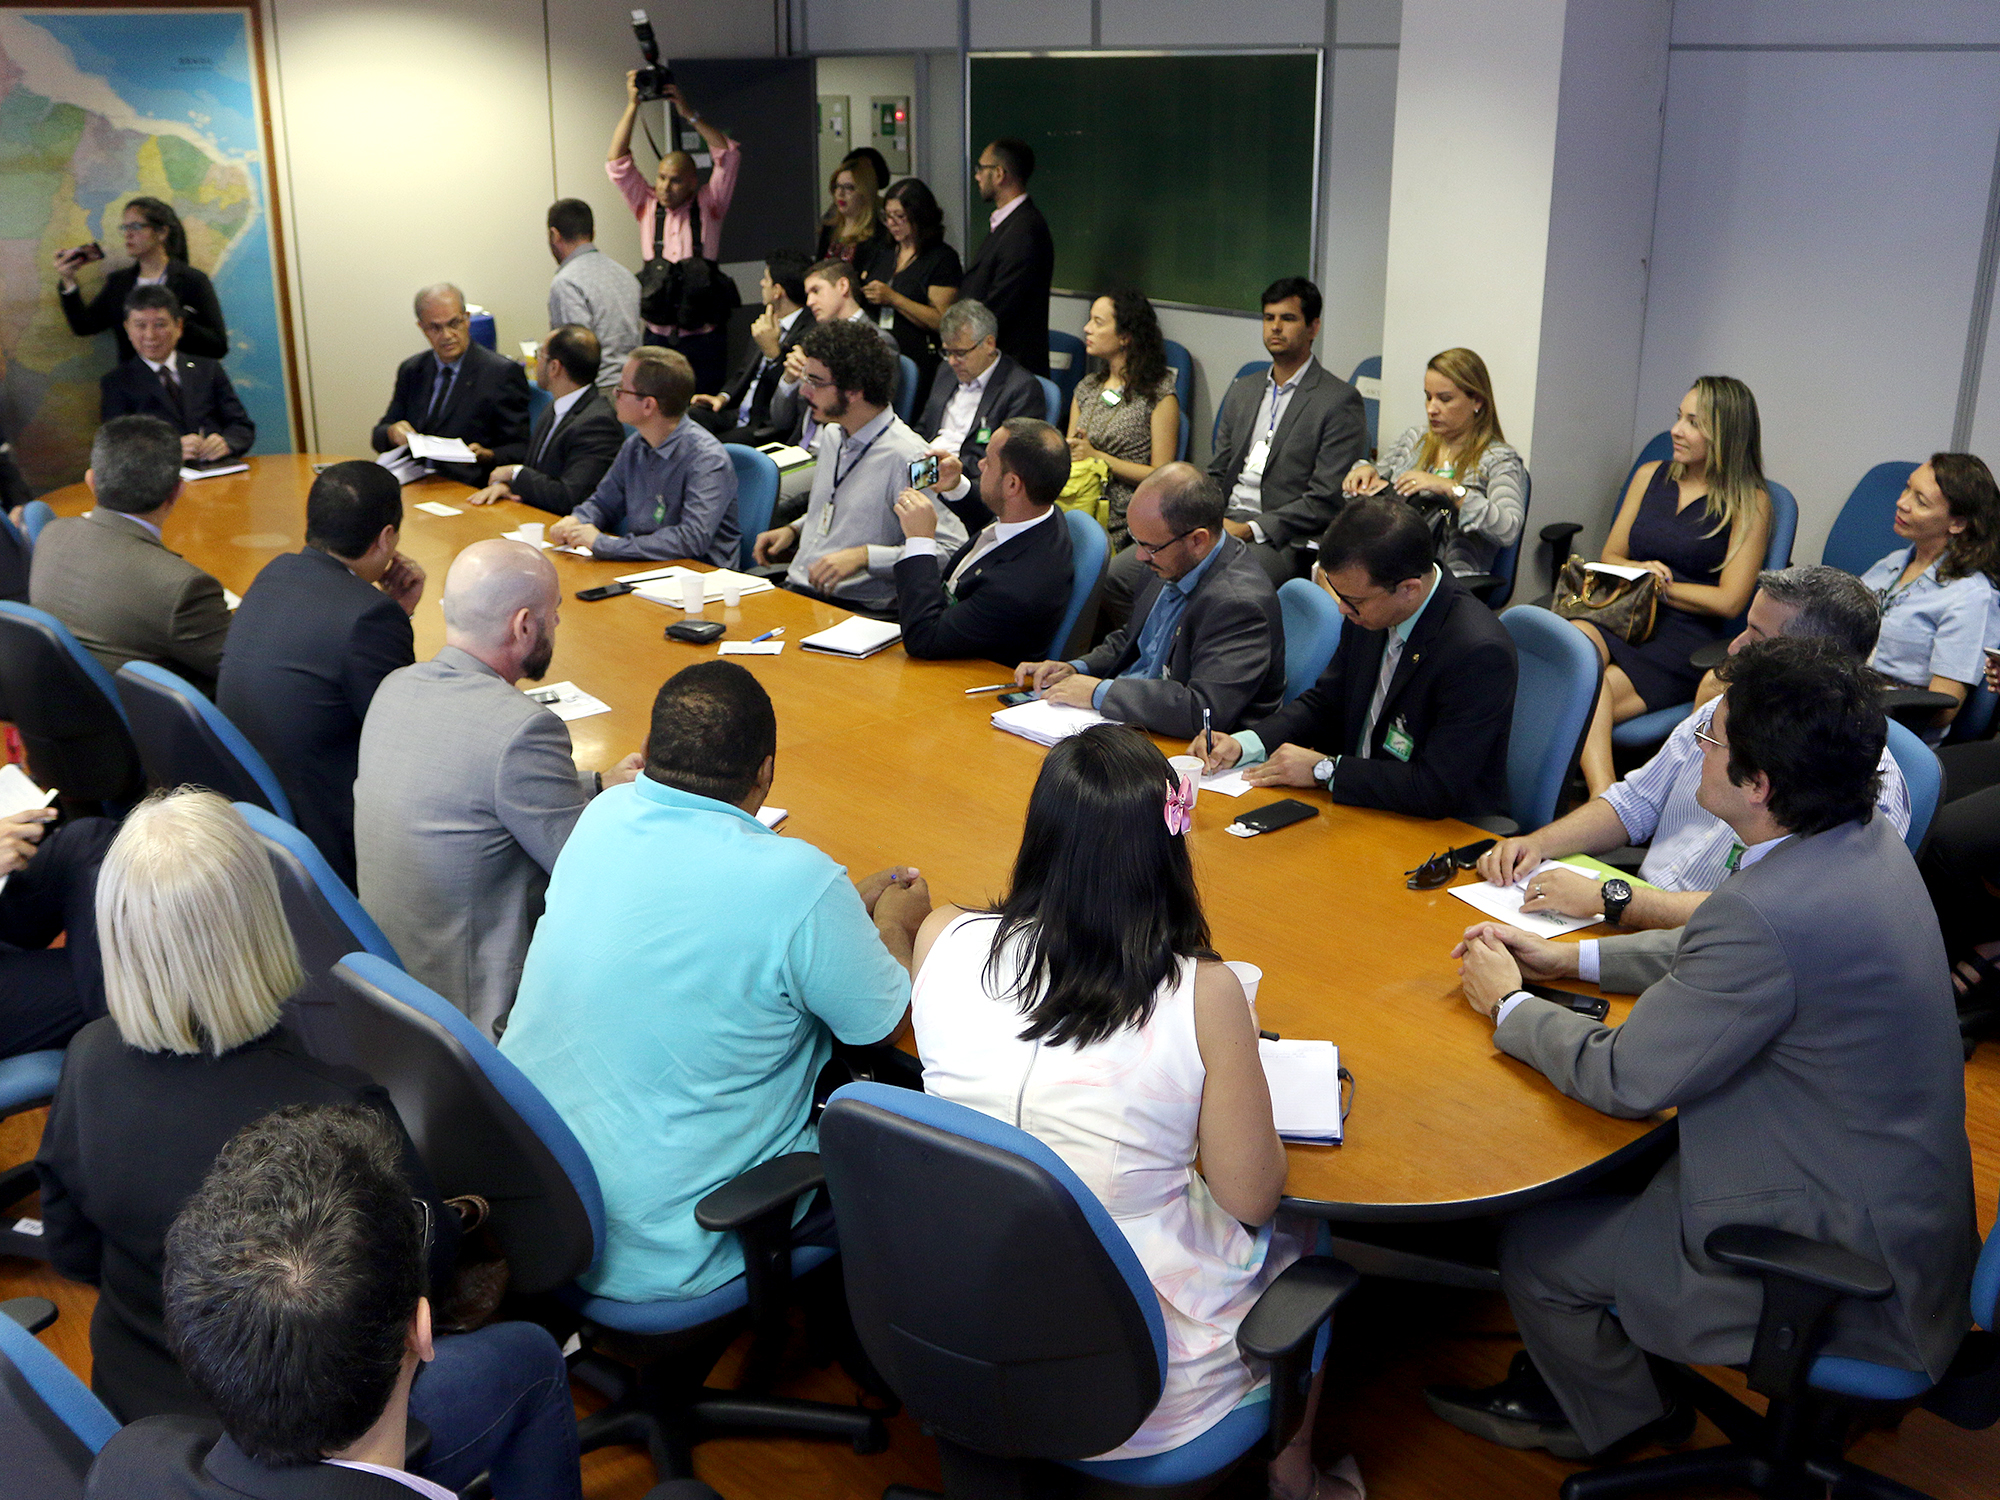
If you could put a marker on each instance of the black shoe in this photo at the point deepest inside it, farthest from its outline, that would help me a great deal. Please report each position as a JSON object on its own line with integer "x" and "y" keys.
{"x": 1522, "y": 1412}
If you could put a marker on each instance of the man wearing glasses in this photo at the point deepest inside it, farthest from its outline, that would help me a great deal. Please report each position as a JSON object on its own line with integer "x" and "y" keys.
{"x": 976, "y": 390}
{"x": 1015, "y": 264}
{"x": 458, "y": 389}
{"x": 1412, "y": 713}
{"x": 1205, "y": 644}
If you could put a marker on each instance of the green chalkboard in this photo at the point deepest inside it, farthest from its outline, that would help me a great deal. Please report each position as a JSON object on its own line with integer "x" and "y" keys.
{"x": 1189, "y": 177}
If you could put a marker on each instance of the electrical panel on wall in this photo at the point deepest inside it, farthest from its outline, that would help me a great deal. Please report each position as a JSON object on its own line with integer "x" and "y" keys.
{"x": 835, "y": 138}
{"x": 889, "y": 116}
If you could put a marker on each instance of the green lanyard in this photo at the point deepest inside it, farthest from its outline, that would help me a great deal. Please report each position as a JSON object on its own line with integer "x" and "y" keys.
{"x": 1735, "y": 856}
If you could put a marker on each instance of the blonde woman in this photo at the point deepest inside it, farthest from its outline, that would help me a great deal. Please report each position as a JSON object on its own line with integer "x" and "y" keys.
{"x": 198, "y": 963}
{"x": 1700, "y": 522}
{"x": 1456, "y": 465}
{"x": 852, "y": 228}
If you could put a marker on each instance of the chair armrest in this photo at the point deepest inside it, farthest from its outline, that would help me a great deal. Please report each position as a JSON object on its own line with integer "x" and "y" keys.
{"x": 1293, "y": 1306}
{"x": 32, "y": 1313}
{"x": 1472, "y": 583}
{"x": 1708, "y": 658}
{"x": 1560, "y": 531}
{"x": 1764, "y": 1251}
{"x": 764, "y": 1189}
{"x": 1559, "y": 535}
{"x": 1897, "y": 702}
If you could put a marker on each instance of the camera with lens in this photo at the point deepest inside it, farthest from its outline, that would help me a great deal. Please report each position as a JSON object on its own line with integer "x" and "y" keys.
{"x": 655, "y": 78}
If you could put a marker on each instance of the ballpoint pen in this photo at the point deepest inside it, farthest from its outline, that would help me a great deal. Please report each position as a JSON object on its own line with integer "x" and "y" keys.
{"x": 1208, "y": 736}
{"x": 767, "y": 635}
{"x": 991, "y": 687}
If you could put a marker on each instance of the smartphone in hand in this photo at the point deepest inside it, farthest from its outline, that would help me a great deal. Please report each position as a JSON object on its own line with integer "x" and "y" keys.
{"x": 924, "y": 472}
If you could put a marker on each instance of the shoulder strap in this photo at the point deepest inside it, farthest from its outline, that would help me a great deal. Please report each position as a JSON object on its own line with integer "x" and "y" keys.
{"x": 659, "y": 230}
{"x": 694, "y": 223}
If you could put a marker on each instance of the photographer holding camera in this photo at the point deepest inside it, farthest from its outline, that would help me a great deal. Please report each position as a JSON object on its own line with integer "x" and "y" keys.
{"x": 676, "y": 207}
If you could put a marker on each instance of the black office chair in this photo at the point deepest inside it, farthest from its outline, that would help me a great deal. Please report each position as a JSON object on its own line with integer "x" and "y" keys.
{"x": 1794, "y": 1448}
{"x": 185, "y": 740}
{"x": 62, "y": 701}
{"x": 1004, "y": 1305}
{"x": 51, "y": 1426}
{"x": 482, "y": 1128}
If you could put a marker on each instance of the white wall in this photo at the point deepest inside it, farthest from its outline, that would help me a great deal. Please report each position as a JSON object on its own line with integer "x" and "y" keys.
{"x": 1818, "y": 232}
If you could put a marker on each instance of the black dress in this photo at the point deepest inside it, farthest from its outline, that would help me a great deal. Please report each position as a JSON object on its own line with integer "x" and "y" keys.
{"x": 936, "y": 264}
{"x": 203, "y": 330}
{"x": 1688, "y": 542}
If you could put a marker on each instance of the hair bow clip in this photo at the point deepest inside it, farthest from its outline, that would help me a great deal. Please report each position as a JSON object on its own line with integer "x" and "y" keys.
{"x": 1180, "y": 806}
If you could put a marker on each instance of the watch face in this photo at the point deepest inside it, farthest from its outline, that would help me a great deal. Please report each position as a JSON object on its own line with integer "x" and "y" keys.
{"x": 1617, "y": 891}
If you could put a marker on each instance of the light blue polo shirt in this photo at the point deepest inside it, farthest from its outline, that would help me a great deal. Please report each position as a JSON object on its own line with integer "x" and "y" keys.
{"x": 680, "y": 997}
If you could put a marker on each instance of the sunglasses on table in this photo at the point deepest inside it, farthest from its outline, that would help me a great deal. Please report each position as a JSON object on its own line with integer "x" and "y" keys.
{"x": 1439, "y": 869}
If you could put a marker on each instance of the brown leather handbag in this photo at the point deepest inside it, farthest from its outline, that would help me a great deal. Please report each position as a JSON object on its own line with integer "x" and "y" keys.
{"x": 1625, "y": 607}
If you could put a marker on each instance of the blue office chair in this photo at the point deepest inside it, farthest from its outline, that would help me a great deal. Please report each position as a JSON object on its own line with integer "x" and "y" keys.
{"x": 1561, "y": 535}
{"x": 1921, "y": 774}
{"x": 484, "y": 331}
{"x": 756, "y": 496}
{"x": 1370, "y": 370}
{"x": 67, "y": 710}
{"x": 34, "y": 516}
{"x": 1006, "y": 1308}
{"x": 185, "y": 740}
{"x": 1863, "y": 533}
{"x": 1651, "y": 728}
{"x": 1554, "y": 697}
{"x": 51, "y": 1426}
{"x": 539, "y": 401}
{"x": 1253, "y": 367}
{"x": 1066, "y": 363}
{"x": 1796, "y": 1446}
{"x": 1312, "y": 632}
{"x": 906, "y": 388}
{"x": 1089, "y": 555}
{"x": 1495, "y": 587}
{"x": 1052, "y": 401}
{"x": 27, "y": 1081}
{"x": 1182, "y": 364}
{"x": 482, "y": 1127}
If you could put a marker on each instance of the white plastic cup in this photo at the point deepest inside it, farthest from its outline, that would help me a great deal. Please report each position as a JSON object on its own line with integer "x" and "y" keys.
{"x": 694, "y": 593}
{"x": 1188, "y": 768}
{"x": 732, "y": 593}
{"x": 1249, "y": 976}
{"x": 531, "y": 532}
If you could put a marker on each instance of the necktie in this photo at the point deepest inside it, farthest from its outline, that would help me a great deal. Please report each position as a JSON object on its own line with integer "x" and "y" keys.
{"x": 988, "y": 540}
{"x": 439, "y": 392}
{"x": 1392, "y": 653}
{"x": 173, "y": 384}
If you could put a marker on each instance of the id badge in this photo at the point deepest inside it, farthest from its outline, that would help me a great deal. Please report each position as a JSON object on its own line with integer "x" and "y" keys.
{"x": 983, "y": 436}
{"x": 1110, "y": 397}
{"x": 886, "y": 318}
{"x": 1396, "y": 740}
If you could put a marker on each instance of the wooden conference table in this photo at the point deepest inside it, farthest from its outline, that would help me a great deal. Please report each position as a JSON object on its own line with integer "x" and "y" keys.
{"x": 886, "y": 761}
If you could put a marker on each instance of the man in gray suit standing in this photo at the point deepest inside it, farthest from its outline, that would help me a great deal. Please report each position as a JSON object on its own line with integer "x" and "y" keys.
{"x": 109, "y": 577}
{"x": 1803, "y": 1028}
{"x": 466, "y": 789}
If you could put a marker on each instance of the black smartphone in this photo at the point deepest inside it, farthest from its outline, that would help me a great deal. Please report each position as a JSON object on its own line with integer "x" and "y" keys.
{"x": 92, "y": 251}
{"x": 605, "y": 591}
{"x": 1008, "y": 700}
{"x": 924, "y": 472}
{"x": 1277, "y": 815}
{"x": 1594, "y": 1006}
{"x": 696, "y": 632}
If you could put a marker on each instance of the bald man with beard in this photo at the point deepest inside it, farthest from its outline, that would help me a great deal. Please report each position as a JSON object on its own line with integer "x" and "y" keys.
{"x": 467, "y": 787}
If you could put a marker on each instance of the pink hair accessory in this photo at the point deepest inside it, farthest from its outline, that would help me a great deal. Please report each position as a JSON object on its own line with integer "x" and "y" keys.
{"x": 1180, "y": 806}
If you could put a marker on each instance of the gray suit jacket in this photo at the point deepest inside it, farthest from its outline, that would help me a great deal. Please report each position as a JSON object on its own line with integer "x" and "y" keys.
{"x": 1806, "y": 1034}
{"x": 1323, "y": 431}
{"x": 1227, "y": 653}
{"x": 465, "y": 795}
{"x": 128, "y": 598}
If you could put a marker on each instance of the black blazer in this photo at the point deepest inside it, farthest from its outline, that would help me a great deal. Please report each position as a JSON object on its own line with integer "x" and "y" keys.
{"x": 748, "y": 394}
{"x": 567, "y": 463}
{"x": 207, "y": 401}
{"x": 1010, "y": 392}
{"x": 488, "y": 405}
{"x": 1453, "y": 694}
{"x": 189, "y": 1458}
{"x": 1011, "y": 273}
{"x": 203, "y": 331}
{"x": 1008, "y": 604}
{"x": 129, "y": 1137}
{"x": 1227, "y": 654}
{"x": 298, "y": 679}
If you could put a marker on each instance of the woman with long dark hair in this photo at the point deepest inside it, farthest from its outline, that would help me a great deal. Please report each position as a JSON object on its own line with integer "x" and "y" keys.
{"x": 158, "y": 246}
{"x": 915, "y": 277}
{"x": 1089, "y": 1009}
{"x": 1125, "y": 411}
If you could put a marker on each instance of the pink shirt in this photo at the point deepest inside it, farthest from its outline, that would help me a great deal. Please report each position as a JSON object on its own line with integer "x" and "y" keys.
{"x": 713, "y": 196}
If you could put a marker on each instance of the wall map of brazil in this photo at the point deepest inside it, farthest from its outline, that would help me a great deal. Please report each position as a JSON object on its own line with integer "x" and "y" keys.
{"x": 95, "y": 107}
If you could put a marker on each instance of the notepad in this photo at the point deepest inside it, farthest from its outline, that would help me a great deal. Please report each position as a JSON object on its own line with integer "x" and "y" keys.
{"x": 568, "y": 701}
{"x": 1304, "y": 1079}
{"x": 17, "y": 795}
{"x": 191, "y": 472}
{"x": 437, "y": 508}
{"x": 1045, "y": 722}
{"x": 856, "y": 636}
{"x": 441, "y": 450}
{"x": 1230, "y": 783}
{"x": 1504, "y": 902}
{"x": 786, "y": 456}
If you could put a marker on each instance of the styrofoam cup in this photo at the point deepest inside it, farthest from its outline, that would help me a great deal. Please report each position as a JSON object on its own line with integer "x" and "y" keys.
{"x": 531, "y": 532}
{"x": 1249, "y": 975}
{"x": 694, "y": 593}
{"x": 732, "y": 593}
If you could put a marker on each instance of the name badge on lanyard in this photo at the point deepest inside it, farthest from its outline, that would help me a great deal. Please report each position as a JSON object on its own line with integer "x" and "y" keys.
{"x": 1110, "y": 397}
{"x": 1396, "y": 740}
{"x": 886, "y": 318}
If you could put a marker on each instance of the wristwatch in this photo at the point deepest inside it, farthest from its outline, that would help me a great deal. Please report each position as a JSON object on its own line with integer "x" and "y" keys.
{"x": 1323, "y": 772}
{"x": 1616, "y": 895}
{"x": 1458, "y": 492}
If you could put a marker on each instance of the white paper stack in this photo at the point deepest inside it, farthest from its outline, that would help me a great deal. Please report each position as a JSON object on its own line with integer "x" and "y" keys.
{"x": 1304, "y": 1078}
{"x": 545, "y": 544}
{"x": 568, "y": 701}
{"x": 1504, "y": 902}
{"x": 1045, "y": 722}
{"x": 192, "y": 472}
{"x": 785, "y": 456}
{"x": 406, "y": 469}
{"x": 441, "y": 450}
{"x": 856, "y": 636}
{"x": 665, "y": 585}
{"x": 18, "y": 795}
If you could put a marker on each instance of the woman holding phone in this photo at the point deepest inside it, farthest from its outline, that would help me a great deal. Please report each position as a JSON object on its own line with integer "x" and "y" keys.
{"x": 157, "y": 243}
